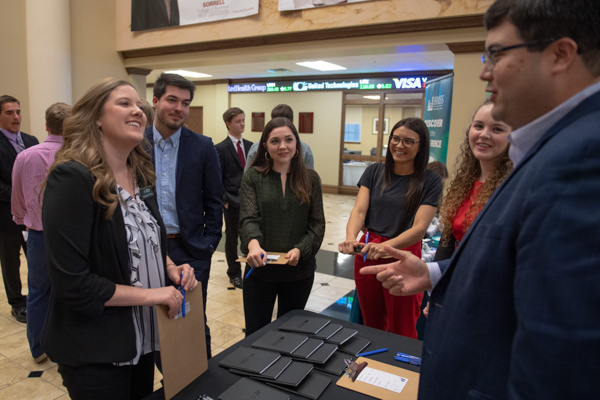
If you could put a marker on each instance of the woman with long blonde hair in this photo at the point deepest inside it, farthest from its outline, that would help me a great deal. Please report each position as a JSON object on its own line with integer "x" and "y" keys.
{"x": 106, "y": 250}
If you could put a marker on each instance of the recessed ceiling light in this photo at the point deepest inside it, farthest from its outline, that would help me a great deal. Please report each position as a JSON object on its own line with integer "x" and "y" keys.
{"x": 189, "y": 74}
{"x": 321, "y": 65}
{"x": 278, "y": 70}
{"x": 372, "y": 97}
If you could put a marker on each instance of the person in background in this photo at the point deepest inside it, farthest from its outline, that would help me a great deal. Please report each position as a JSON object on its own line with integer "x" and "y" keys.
{"x": 232, "y": 156}
{"x": 189, "y": 186}
{"x": 281, "y": 211}
{"x": 148, "y": 110}
{"x": 395, "y": 204}
{"x": 29, "y": 173}
{"x": 285, "y": 111}
{"x": 12, "y": 142}
{"x": 513, "y": 311}
{"x": 106, "y": 247}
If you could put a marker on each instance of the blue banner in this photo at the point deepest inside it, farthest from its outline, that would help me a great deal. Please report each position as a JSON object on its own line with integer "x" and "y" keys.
{"x": 438, "y": 107}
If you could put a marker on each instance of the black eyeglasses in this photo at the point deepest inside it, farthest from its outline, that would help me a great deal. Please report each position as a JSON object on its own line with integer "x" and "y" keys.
{"x": 489, "y": 56}
{"x": 406, "y": 142}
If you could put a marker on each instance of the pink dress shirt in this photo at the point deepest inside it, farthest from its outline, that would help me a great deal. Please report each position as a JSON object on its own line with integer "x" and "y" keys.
{"x": 29, "y": 173}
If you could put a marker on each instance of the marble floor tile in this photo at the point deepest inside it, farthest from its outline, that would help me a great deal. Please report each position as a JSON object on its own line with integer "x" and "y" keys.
{"x": 231, "y": 297}
{"x": 14, "y": 344}
{"x": 216, "y": 308}
{"x": 331, "y": 292}
{"x": 222, "y": 333}
{"x": 234, "y": 318}
{"x": 31, "y": 389}
{"x": 343, "y": 283}
{"x": 10, "y": 326}
{"x": 11, "y": 373}
{"x": 25, "y": 360}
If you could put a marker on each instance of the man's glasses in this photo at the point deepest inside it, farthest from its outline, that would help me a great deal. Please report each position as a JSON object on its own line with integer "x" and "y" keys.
{"x": 406, "y": 142}
{"x": 489, "y": 56}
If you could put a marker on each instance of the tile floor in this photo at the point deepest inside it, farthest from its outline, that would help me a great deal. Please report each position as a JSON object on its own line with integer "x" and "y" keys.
{"x": 21, "y": 378}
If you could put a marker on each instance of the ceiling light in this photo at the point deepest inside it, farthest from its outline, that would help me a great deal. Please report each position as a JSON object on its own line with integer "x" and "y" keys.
{"x": 278, "y": 70}
{"x": 321, "y": 65}
{"x": 189, "y": 74}
{"x": 372, "y": 97}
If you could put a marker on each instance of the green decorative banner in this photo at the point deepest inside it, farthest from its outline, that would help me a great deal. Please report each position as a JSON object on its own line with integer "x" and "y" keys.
{"x": 438, "y": 107}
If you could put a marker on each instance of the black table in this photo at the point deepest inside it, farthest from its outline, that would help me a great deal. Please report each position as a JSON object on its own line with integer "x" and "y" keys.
{"x": 217, "y": 379}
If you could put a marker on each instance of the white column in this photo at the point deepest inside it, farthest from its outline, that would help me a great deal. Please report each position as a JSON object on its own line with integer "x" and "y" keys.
{"x": 48, "y": 59}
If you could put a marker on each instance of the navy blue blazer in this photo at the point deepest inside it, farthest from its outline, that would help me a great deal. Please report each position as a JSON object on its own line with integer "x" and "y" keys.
{"x": 516, "y": 313}
{"x": 198, "y": 193}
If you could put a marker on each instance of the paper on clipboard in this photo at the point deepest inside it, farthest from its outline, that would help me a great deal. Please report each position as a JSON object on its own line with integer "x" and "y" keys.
{"x": 182, "y": 344}
{"x": 272, "y": 258}
{"x": 409, "y": 391}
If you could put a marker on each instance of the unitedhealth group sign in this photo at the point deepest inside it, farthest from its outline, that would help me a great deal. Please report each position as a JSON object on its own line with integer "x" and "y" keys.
{"x": 402, "y": 83}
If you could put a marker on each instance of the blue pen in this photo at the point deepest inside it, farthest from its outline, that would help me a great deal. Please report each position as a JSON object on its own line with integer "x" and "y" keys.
{"x": 408, "y": 360}
{"x": 366, "y": 242}
{"x": 370, "y": 353}
{"x": 252, "y": 269}
{"x": 182, "y": 294}
{"x": 399, "y": 354}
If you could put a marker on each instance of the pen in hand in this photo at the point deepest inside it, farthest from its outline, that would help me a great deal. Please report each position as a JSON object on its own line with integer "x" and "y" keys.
{"x": 366, "y": 242}
{"x": 252, "y": 268}
{"x": 182, "y": 295}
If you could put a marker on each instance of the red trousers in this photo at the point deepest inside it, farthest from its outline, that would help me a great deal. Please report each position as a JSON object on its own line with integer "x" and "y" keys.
{"x": 380, "y": 309}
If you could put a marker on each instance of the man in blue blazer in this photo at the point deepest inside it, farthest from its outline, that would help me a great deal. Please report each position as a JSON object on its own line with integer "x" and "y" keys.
{"x": 188, "y": 180}
{"x": 514, "y": 314}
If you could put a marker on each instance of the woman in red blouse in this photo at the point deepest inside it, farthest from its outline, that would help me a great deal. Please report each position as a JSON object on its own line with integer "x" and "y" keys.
{"x": 482, "y": 166}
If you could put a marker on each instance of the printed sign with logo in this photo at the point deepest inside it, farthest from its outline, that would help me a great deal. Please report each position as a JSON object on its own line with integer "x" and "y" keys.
{"x": 438, "y": 107}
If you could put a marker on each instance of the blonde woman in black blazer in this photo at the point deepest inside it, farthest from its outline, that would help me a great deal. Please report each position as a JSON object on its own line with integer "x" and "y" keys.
{"x": 106, "y": 250}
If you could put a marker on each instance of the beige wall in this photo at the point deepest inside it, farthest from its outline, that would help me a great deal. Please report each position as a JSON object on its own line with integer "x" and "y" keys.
{"x": 13, "y": 68}
{"x": 467, "y": 94}
{"x": 93, "y": 37}
{"x": 270, "y": 21}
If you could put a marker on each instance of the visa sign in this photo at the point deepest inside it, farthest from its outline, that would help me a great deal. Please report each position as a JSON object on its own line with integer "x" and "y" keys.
{"x": 410, "y": 83}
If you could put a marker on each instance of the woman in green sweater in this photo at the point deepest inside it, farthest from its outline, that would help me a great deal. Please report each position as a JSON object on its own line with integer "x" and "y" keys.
{"x": 281, "y": 211}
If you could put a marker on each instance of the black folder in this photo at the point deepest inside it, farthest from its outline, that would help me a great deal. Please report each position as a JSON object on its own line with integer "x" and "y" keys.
{"x": 291, "y": 376}
{"x": 335, "y": 365}
{"x": 342, "y": 336}
{"x": 249, "y": 359}
{"x": 247, "y": 389}
{"x": 322, "y": 354}
{"x": 282, "y": 342}
{"x": 304, "y": 324}
{"x": 311, "y": 387}
{"x": 355, "y": 345}
{"x": 307, "y": 348}
{"x": 328, "y": 331}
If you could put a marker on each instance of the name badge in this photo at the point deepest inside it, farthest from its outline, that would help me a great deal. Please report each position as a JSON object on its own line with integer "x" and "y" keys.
{"x": 146, "y": 193}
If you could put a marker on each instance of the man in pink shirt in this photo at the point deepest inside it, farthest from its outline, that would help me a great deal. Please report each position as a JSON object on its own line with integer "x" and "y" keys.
{"x": 29, "y": 173}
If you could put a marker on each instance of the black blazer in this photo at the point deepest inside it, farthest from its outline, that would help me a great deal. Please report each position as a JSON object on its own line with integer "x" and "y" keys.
{"x": 151, "y": 14}
{"x": 8, "y": 154}
{"x": 232, "y": 169}
{"x": 198, "y": 193}
{"x": 87, "y": 257}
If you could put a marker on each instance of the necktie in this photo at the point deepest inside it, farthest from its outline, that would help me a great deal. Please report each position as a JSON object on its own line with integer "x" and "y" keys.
{"x": 241, "y": 154}
{"x": 20, "y": 144}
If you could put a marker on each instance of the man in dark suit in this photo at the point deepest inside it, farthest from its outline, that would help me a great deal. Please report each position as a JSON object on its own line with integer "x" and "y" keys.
{"x": 188, "y": 180}
{"x": 514, "y": 314}
{"x": 12, "y": 142}
{"x": 232, "y": 155}
{"x": 152, "y": 14}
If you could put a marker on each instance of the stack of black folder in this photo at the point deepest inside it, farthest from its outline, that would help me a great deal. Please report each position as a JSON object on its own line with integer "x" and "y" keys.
{"x": 286, "y": 358}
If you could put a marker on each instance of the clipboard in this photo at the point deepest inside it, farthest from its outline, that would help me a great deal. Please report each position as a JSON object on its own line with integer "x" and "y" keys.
{"x": 410, "y": 391}
{"x": 280, "y": 261}
{"x": 182, "y": 344}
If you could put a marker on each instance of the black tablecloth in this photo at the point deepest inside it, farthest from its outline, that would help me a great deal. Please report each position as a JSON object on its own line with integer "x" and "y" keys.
{"x": 217, "y": 379}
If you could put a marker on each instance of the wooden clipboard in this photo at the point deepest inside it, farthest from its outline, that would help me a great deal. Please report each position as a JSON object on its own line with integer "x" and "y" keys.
{"x": 409, "y": 392}
{"x": 182, "y": 344}
{"x": 280, "y": 261}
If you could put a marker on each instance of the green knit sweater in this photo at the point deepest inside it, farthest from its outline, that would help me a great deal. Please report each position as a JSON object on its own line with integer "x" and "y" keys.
{"x": 280, "y": 223}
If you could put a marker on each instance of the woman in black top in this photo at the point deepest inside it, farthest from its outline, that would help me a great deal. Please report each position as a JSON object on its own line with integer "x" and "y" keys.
{"x": 395, "y": 204}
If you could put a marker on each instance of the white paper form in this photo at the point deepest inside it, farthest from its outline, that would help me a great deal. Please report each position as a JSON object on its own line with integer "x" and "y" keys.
{"x": 382, "y": 379}
{"x": 273, "y": 258}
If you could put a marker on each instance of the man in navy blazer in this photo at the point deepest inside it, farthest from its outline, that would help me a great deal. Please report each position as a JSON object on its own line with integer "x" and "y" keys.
{"x": 514, "y": 314}
{"x": 233, "y": 152}
{"x": 188, "y": 180}
{"x": 12, "y": 141}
